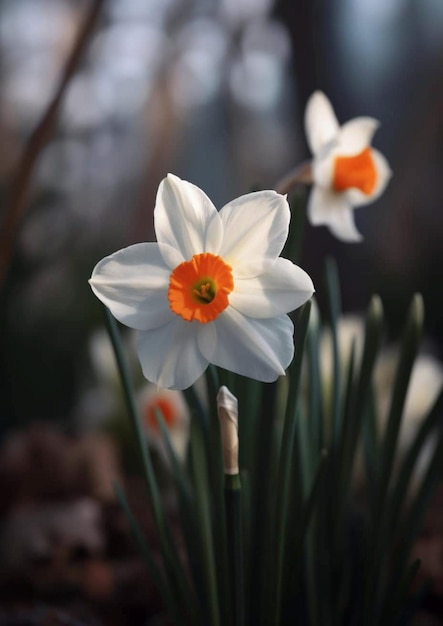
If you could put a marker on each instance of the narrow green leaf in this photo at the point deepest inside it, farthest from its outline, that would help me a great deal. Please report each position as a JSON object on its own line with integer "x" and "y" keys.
{"x": 409, "y": 350}
{"x": 294, "y": 245}
{"x": 215, "y": 470}
{"x": 262, "y": 482}
{"x": 414, "y": 516}
{"x": 203, "y": 515}
{"x": 186, "y": 501}
{"x": 295, "y": 562}
{"x": 379, "y": 547}
{"x": 334, "y": 305}
{"x": 373, "y": 333}
{"x": 397, "y": 600}
{"x": 356, "y": 404}
{"x": 179, "y": 474}
{"x": 287, "y": 447}
{"x": 235, "y": 548}
{"x": 342, "y": 454}
{"x": 400, "y": 489}
{"x": 249, "y": 409}
{"x": 139, "y": 537}
{"x": 371, "y": 448}
{"x": 315, "y": 381}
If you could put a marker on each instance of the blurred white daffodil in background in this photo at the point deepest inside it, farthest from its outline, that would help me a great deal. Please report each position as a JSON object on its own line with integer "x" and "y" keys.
{"x": 350, "y": 330}
{"x": 102, "y": 405}
{"x": 424, "y": 386}
{"x": 175, "y": 412}
{"x": 213, "y": 289}
{"x": 346, "y": 171}
{"x": 425, "y": 382}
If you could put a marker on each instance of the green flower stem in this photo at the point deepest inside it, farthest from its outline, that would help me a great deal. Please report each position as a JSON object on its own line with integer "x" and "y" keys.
{"x": 315, "y": 382}
{"x": 310, "y": 537}
{"x": 261, "y": 480}
{"x": 409, "y": 350}
{"x": 199, "y": 464}
{"x": 287, "y": 447}
{"x": 398, "y": 496}
{"x": 300, "y": 175}
{"x": 235, "y": 548}
{"x": 173, "y": 567}
{"x": 414, "y": 515}
{"x": 294, "y": 244}
{"x": 154, "y": 570}
{"x": 334, "y": 302}
{"x": 214, "y": 457}
{"x": 356, "y": 405}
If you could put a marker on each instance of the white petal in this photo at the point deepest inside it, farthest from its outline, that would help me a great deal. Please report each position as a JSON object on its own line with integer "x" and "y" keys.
{"x": 355, "y": 136}
{"x": 384, "y": 174}
{"x": 170, "y": 356}
{"x": 322, "y": 203}
{"x": 260, "y": 349}
{"x": 255, "y": 227}
{"x": 333, "y": 210}
{"x": 133, "y": 284}
{"x": 186, "y": 219}
{"x": 323, "y": 169}
{"x": 281, "y": 288}
{"x": 342, "y": 225}
{"x": 321, "y": 125}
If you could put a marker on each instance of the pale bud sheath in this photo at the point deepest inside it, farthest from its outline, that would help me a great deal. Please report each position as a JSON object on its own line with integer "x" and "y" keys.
{"x": 227, "y": 408}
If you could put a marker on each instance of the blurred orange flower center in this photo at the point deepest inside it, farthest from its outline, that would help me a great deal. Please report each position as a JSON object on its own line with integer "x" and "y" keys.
{"x": 167, "y": 410}
{"x": 199, "y": 288}
{"x": 355, "y": 171}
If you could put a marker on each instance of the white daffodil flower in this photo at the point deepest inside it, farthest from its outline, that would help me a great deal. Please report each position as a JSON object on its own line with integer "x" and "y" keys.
{"x": 213, "y": 289}
{"x": 346, "y": 171}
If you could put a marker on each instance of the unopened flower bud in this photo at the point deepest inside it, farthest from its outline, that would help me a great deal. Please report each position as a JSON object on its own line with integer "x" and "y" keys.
{"x": 227, "y": 407}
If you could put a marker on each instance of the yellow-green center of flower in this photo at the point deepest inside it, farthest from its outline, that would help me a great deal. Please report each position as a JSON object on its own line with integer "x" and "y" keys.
{"x": 199, "y": 288}
{"x": 204, "y": 290}
{"x": 356, "y": 171}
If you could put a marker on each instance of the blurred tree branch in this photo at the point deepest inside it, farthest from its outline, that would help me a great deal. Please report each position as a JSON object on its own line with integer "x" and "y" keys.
{"x": 17, "y": 194}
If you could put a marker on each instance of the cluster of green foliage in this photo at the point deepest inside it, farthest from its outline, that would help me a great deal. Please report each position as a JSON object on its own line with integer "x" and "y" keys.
{"x": 313, "y": 550}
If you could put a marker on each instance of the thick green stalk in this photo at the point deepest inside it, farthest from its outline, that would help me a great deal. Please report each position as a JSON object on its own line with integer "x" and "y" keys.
{"x": 409, "y": 350}
{"x": 210, "y": 431}
{"x": 400, "y": 490}
{"x": 202, "y": 495}
{"x": 235, "y": 547}
{"x": 283, "y": 482}
{"x": 294, "y": 244}
{"x": 139, "y": 537}
{"x": 334, "y": 302}
{"x": 261, "y": 481}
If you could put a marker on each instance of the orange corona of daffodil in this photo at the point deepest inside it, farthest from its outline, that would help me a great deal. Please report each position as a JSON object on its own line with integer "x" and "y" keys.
{"x": 213, "y": 289}
{"x": 346, "y": 171}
